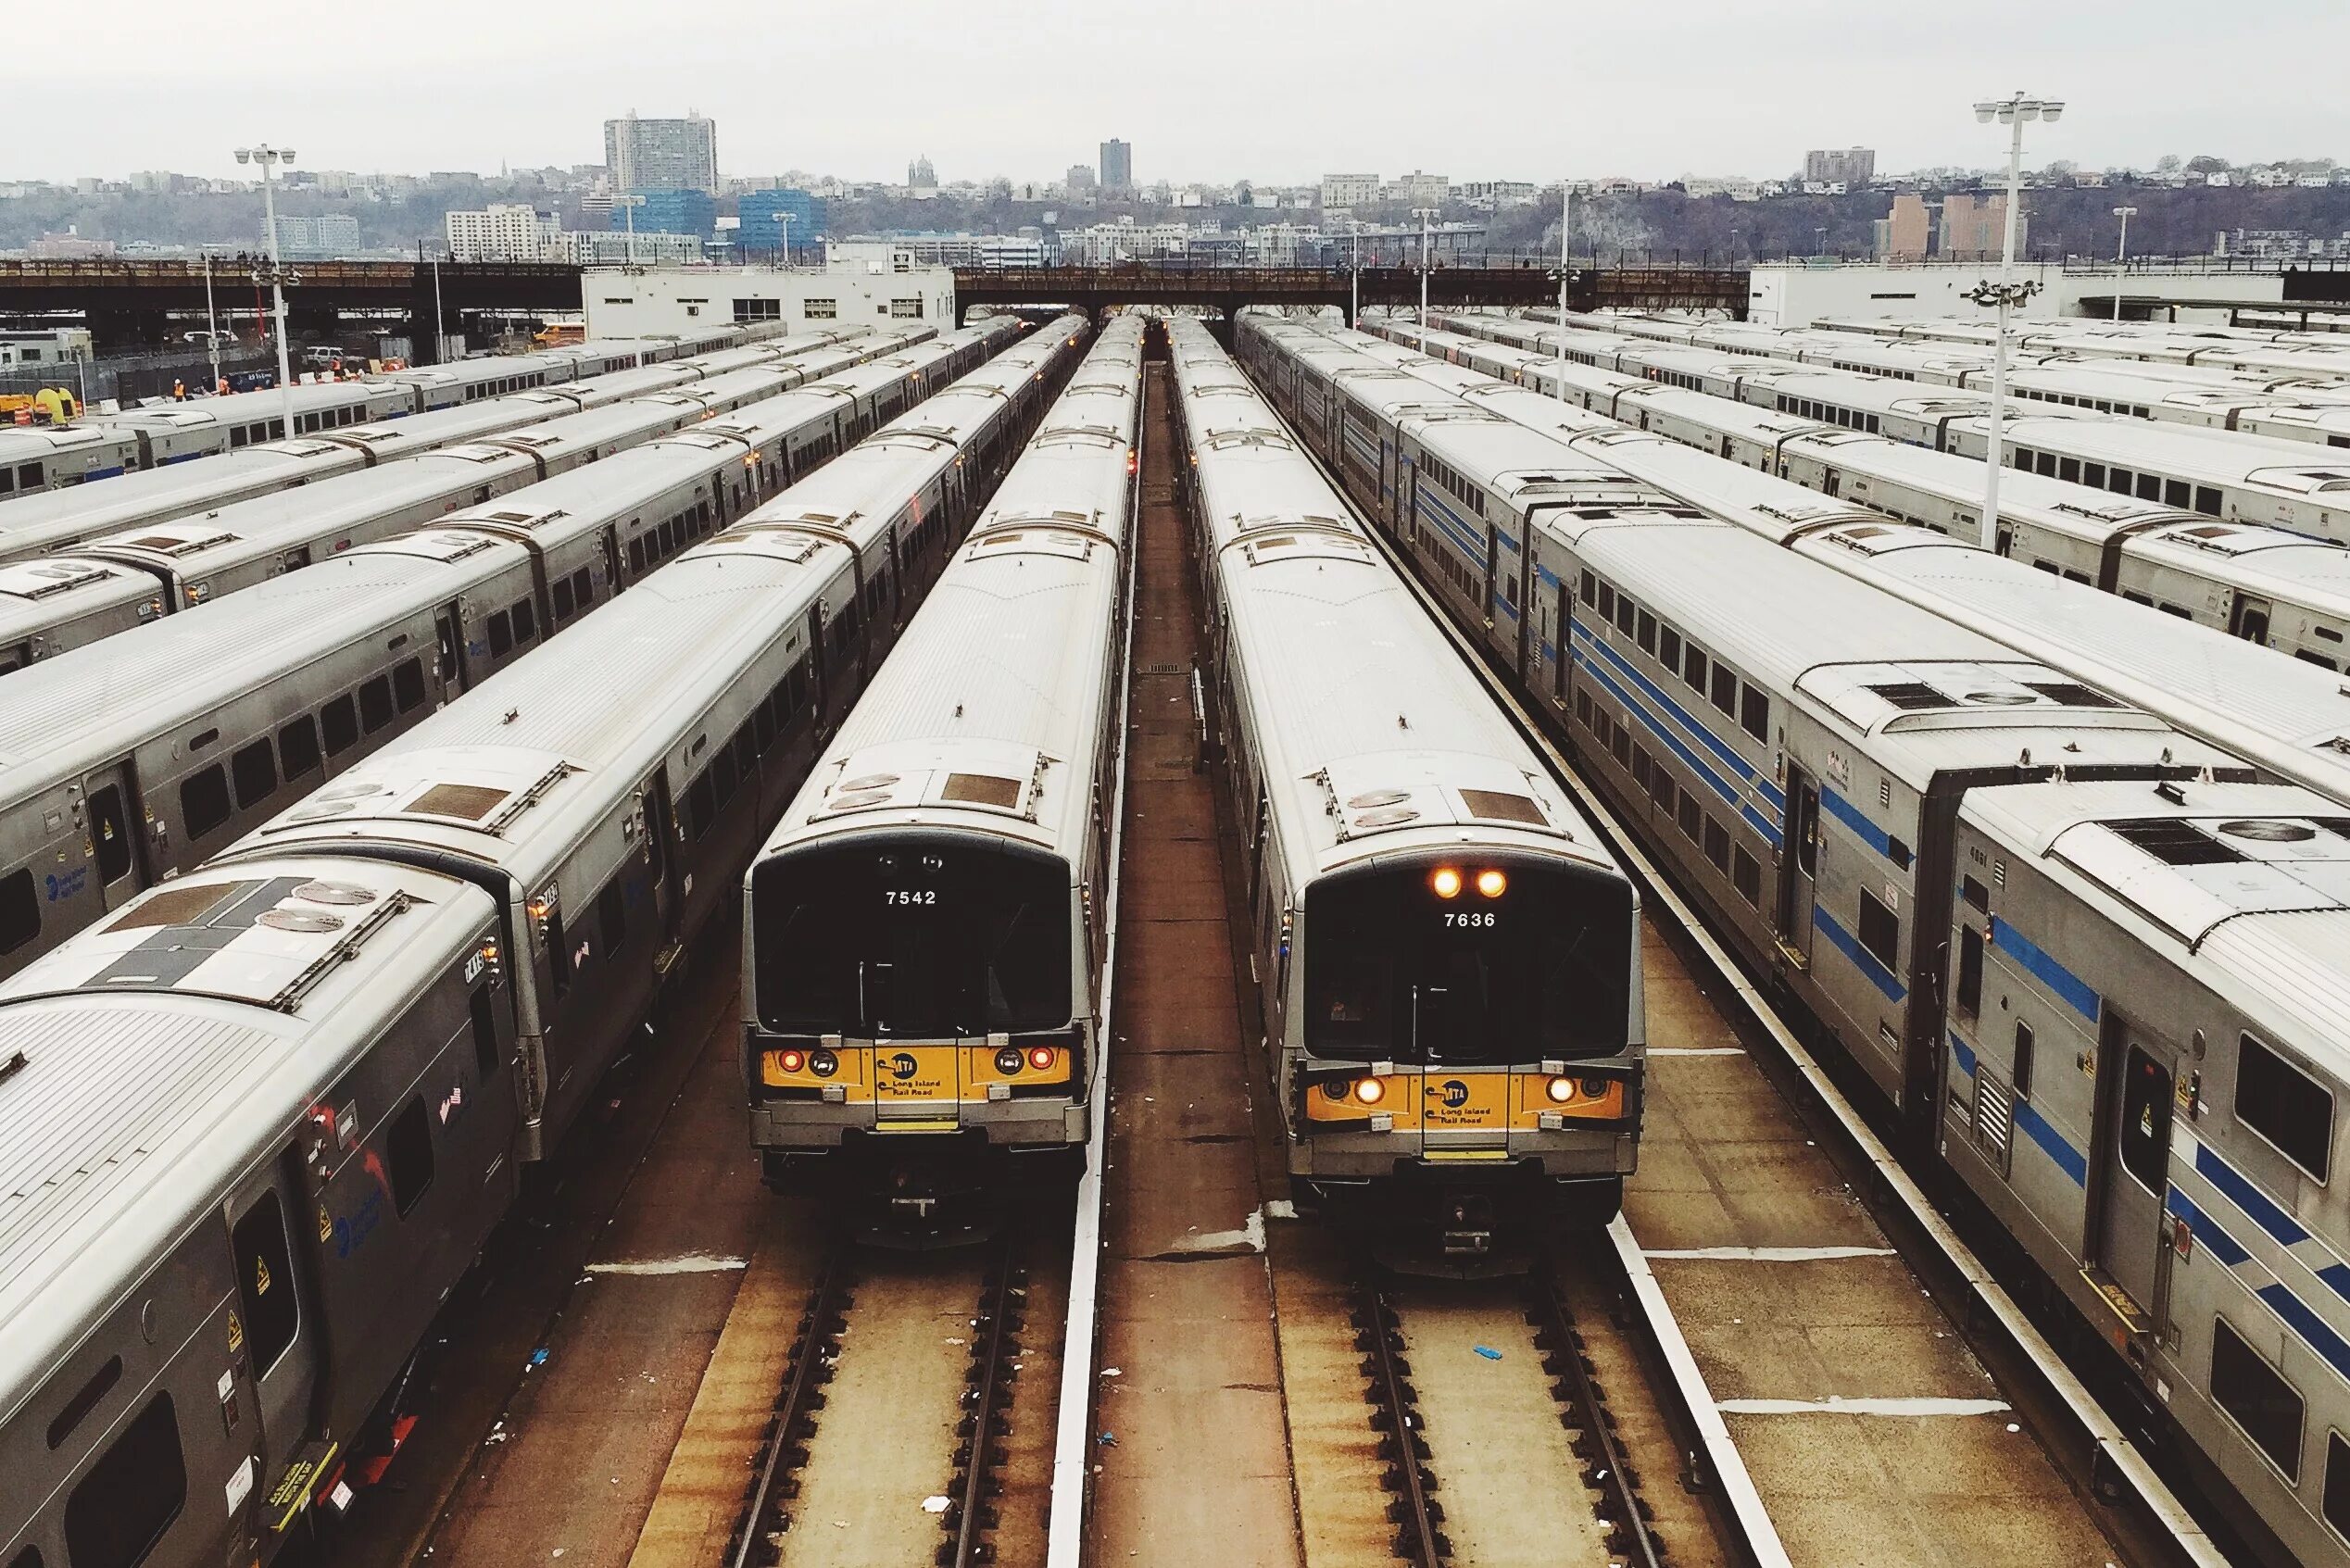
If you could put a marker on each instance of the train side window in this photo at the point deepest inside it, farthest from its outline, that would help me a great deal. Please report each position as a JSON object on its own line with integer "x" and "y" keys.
{"x": 20, "y": 909}
{"x": 2257, "y": 1398}
{"x": 502, "y": 634}
{"x": 1582, "y": 714}
{"x": 1693, "y": 666}
{"x": 30, "y": 1556}
{"x": 526, "y": 620}
{"x": 408, "y": 1148}
{"x": 2047, "y": 465}
{"x": 408, "y": 686}
{"x": 1607, "y": 602}
{"x": 1725, "y": 688}
{"x": 584, "y": 587}
{"x": 1746, "y": 876}
{"x": 1754, "y": 714}
{"x": 265, "y": 1283}
{"x": 339, "y": 722}
{"x": 2175, "y": 493}
{"x": 564, "y": 599}
{"x": 1668, "y": 647}
{"x": 2022, "y": 1074}
{"x": 2309, "y": 656}
{"x": 1648, "y": 633}
{"x": 2336, "y": 1501}
{"x": 2119, "y": 480}
{"x": 121, "y": 1507}
{"x": 1661, "y": 787}
{"x": 636, "y": 554}
{"x": 2207, "y": 500}
{"x": 701, "y": 803}
{"x": 1717, "y": 844}
{"x": 485, "y": 1022}
{"x": 2094, "y": 475}
{"x": 375, "y": 703}
{"x": 1881, "y": 931}
{"x": 204, "y": 800}
{"x": 256, "y": 772}
{"x": 2068, "y": 470}
{"x": 2138, "y": 599}
{"x": 298, "y": 747}
{"x": 1692, "y": 816}
{"x": 2285, "y": 1105}
{"x": 1627, "y": 614}
{"x": 612, "y": 915}
{"x": 2150, "y": 487}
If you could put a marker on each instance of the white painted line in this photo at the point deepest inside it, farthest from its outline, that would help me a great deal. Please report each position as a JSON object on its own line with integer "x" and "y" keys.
{"x": 687, "y": 1264}
{"x": 1768, "y": 1254}
{"x": 1072, "y": 1430}
{"x": 1697, "y": 1051}
{"x": 1721, "y": 1451}
{"x": 1919, "y": 1405}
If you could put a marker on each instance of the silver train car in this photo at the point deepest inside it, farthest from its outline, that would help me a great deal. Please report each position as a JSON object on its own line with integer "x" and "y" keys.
{"x": 248, "y": 703}
{"x": 1448, "y": 956}
{"x": 42, "y": 524}
{"x": 1970, "y": 861}
{"x": 2260, "y": 351}
{"x": 222, "y": 551}
{"x": 377, "y": 1010}
{"x": 2271, "y": 587}
{"x": 925, "y": 931}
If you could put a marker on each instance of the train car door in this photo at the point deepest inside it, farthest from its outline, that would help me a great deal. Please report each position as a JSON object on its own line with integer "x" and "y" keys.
{"x": 114, "y": 849}
{"x": 1799, "y": 867}
{"x": 2249, "y": 616}
{"x": 1832, "y": 484}
{"x": 277, "y": 1320}
{"x": 660, "y": 851}
{"x": 449, "y": 633}
{"x": 2134, "y": 1081}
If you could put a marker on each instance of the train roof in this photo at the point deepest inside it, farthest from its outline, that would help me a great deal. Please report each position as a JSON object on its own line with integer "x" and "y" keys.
{"x": 2209, "y": 455}
{"x": 168, "y": 1050}
{"x": 34, "y": 525}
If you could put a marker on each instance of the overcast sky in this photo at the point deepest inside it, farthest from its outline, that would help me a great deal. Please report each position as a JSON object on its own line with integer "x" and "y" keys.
{"x": 1276, "y": 90}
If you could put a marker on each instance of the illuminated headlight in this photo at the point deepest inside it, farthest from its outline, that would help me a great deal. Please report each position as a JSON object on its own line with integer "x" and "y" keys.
{"x": 1370, "y": 1091}
{"x": 1040, "y": 1057}
{"x": 1493, "y": 883}
{"x": 823, "y": 1063}
{"x": 791, "y": 1060}
{"x": 1446, "y": 882}
{"x": 1008, "y": 1060}
{"x": 1559, "y": 1090}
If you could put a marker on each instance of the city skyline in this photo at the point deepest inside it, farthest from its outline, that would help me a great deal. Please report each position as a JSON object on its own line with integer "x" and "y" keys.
{"x": 1900, "y": 82}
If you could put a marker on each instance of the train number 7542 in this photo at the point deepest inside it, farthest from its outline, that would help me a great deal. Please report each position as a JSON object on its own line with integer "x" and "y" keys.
{"x": 910, "y": 896}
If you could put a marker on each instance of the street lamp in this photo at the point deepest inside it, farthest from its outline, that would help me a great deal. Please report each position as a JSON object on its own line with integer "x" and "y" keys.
{"x": 275, "y": 272}
{"x": 1355, "y": 274}
{"x": 784, "y": 249}
{"x": 211, "y": 323}
{"x": 628, "y": 206}
{"x": 1822, "y": 232}
{"x": 2013, "y": 112}
{"x": 1567, "y": 199}
{"x": 1427, "y": 214}
{"x": 2122, "y": 256}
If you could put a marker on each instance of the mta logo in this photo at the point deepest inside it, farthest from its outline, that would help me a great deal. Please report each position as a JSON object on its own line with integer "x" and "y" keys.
{"x": 1456, "y": 1094}
{"x": 903, "y": 1064}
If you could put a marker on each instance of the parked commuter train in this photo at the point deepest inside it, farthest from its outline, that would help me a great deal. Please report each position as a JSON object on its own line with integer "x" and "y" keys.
{"x": 2100, "y": 971}
{"x": 927, "y": 931}
{"x": 1448, "y": 957}
{"x": 262, "y": 1121}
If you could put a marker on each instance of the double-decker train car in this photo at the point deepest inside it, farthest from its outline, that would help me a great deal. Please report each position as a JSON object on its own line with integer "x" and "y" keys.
{"x": 261, "y": 1121}
{"x": 1448, "y": 956}
{"x": 2099, "y": 969}
{"x": 926, "y": 930}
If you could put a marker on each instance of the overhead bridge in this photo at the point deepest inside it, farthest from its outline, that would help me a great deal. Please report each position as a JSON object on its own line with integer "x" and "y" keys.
{"x": 134, "y": 301}
{"x": 1232, "y": 289}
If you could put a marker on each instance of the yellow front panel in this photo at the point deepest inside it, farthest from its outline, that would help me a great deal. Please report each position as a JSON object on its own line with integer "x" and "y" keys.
{"x": 979, "y": 1070}
{"x": 1531, "y": 1101}
{"x": 1461, "y": 1102}
{"x": 853, "y": 1076}
{"x": 911, "y": 1076}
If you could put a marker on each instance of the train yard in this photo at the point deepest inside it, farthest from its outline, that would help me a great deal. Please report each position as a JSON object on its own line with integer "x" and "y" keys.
{"x": 1115, "y": 947}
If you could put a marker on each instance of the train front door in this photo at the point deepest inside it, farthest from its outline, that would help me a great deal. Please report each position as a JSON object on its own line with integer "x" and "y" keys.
{"x": 2133, "y": 1162}
{"x": 277, "y": 1321}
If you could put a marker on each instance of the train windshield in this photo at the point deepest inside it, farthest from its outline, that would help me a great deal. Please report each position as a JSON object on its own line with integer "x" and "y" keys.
{"x": 911, "y": 937}
{"x": 1478, "y": 961}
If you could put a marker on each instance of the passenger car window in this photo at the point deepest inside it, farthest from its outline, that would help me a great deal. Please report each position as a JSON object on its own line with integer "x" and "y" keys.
{"x": 123, "y": 1504}
{"x": 298, "y": 747}
{"x": 255, "y": 769}
{"x": 1879, "y": 931}
{"x": 375, "y": 703}
{"x": 20, "y": 909}
{"x": 204, "y": 800}
{"x": 2267, "y": 1406}
{"x": 2284, "y": 1105}
{"x": 408, "y": 686}
{"x": 340, "y": 721}
{"x": 265, "y": 1283}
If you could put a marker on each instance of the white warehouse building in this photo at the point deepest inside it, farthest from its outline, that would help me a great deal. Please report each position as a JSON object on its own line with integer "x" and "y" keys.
{"x": 1796, "y": 293}
{"x": 875, "y": 288}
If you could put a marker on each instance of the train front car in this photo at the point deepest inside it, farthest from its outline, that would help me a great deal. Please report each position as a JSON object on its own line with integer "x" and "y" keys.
{"x": 927, "y": 927}
{"x": 1449, "y": 959}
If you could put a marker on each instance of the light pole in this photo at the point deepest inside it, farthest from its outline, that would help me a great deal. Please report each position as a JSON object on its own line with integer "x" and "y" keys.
{"x": 1427, "y": 214}
{"x": 1355, "y": 274}
{"x": 211, "y": 323}
{"x": 1566, "y": 198}
{"x": 628, "y": 206}
{"x": 784, "y": 249}
{"x": 2122, "y": 256}
{"x": 268, "y": 158}
{"x": 1822, "y": 232}
{"x": 2013, "y": 112}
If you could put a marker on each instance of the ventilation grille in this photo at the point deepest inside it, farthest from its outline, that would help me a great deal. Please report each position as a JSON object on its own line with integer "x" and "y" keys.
{"x": 1501, "y": 806}
{"x": 1994, "y": 1118}
{"x": 982, "y": 789}
{"x": 467, "y": 803}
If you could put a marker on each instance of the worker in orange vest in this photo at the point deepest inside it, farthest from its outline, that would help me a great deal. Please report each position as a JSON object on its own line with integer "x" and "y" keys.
{"x": 180, "y": 391}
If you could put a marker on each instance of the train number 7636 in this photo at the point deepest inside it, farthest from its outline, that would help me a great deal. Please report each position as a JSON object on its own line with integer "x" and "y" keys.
{"x": 1468, "y": 917}
{"x": 910, "y": 896}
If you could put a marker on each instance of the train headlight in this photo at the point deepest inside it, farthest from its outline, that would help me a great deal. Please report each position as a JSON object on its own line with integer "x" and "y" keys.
{"x": 1492, "y": 884}
{"x": 1446, "y": 882}
{"x": 1040, "y": 1057}
{"x": 1370, "y": 1091}
{"x": 1008, "y": 1060}
{"x": 791, "y": 1060}
{"x": 823, "y": 1063}
{"x": 1559, "y": 1090}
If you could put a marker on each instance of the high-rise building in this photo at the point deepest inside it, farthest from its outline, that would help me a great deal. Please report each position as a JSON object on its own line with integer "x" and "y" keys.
{"x": 1080, "y": 177}
{"x": 316, "y": 239}
{"x": 1117, "y": 166}
{"x": 1349, "y": 190}
{"x": 1419, "y": 189}
{"x": 1972, "y": 228}
{"x": 662, "y": 155}
{"x": 669, "y": 212}
{"x": 761, "y": 230}
{"x": 1849, "y": 166}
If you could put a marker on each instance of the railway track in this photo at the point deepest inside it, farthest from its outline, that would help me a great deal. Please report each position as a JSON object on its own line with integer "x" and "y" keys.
{"x": 888, "y": 1379}
{"x": 1469, "y": 1471}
